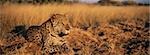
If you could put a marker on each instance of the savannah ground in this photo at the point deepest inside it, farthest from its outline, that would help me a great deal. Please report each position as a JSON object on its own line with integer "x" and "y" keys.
{"x": 105, "y": 30}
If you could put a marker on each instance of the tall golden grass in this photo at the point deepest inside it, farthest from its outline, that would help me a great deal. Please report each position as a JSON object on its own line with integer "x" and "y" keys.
{"x": 24, "y": 14}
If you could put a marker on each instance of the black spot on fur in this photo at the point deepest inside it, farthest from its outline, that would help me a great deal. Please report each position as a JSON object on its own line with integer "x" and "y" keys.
{"x": 147, "y": 24}
{"x": 101, "y": 34}
{"x": 76, "y": 49}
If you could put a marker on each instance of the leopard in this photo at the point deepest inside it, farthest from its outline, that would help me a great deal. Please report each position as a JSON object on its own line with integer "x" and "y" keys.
{"x": 57, "y": 24}
{"x": 56, "y": 27}
{"x": 49, "y": 33}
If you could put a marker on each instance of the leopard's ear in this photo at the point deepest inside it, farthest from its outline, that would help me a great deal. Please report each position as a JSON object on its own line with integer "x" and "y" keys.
{"x": 56, "y": 16}
{"x": 50, "y": 16}
{"x": 53, "y": 16}
{"x": 66, "y": 14}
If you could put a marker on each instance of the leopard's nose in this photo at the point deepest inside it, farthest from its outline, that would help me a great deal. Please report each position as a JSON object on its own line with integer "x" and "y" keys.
{"x": 61, "y": 34}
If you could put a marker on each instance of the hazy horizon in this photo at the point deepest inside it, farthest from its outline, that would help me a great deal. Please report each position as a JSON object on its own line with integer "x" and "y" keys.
{"x": 94, "y": 1}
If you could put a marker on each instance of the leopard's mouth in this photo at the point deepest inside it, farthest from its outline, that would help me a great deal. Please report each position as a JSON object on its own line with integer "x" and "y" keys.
{"x": 61, "y": 34}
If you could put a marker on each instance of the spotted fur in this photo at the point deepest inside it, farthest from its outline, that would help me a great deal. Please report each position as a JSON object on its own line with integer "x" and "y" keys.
{"x": 49, "y": 34}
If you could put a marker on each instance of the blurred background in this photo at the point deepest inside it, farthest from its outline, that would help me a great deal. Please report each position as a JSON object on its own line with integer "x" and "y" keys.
{"x": 101, "y": 2}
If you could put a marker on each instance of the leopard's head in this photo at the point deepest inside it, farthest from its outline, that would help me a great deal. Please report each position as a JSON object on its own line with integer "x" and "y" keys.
{"x": 60, "y": 23}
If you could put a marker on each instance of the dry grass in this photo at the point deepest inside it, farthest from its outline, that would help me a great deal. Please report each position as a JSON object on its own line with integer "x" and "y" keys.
{"x": 12, "y": 15}
{"x": 80, "y": 16}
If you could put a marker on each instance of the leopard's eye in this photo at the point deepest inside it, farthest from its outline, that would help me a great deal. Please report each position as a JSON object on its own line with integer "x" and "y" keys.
{"x": 36, "y": 36}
